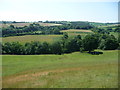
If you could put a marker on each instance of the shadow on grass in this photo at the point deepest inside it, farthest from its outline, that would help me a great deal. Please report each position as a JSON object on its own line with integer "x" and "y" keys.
{"x": 95, "y": 53}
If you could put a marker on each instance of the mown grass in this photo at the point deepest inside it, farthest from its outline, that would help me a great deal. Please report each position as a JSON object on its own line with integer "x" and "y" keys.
{"x": 76, "y": 70}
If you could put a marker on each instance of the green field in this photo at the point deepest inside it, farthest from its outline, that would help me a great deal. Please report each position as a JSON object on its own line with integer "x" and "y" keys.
{"x": 76, "y": 70}
{"x": 29, "y": 38}
{"x": 47, "y": 38}
{"x": 77, "y": 31}
{"x": 74, "y": 32}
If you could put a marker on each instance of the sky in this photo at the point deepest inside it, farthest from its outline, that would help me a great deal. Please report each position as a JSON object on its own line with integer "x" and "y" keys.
{"x": 59, "y": 10}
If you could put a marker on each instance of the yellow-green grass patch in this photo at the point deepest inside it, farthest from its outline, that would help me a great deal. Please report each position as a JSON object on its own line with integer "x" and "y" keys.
{"x": 29, "y": 38}
{"x": 76, "y": 30}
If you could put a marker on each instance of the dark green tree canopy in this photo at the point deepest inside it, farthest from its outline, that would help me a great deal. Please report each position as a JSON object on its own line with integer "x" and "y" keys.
{"x": 90, "y": 42}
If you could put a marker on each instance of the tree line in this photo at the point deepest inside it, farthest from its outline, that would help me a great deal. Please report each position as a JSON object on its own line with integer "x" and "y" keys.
{"x": 107, "y": 29}
{"x": 64, "y": 45}
{"x": 37, "y": 29}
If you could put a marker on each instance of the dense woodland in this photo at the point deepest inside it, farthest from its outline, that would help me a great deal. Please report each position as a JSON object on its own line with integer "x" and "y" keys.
{"x": 101, "y": 39}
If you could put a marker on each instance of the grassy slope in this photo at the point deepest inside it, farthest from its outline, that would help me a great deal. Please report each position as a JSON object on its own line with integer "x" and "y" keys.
{"x": 73, "y": 32}
{"x": 76, "y": 30}
{"x": 47, "y": 38}
{"x": 29, "y": 38}
{"x": 57, "y": 71}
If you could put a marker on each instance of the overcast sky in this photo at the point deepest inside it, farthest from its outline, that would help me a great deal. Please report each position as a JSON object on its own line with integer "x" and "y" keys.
{"x": 59, "y": 10}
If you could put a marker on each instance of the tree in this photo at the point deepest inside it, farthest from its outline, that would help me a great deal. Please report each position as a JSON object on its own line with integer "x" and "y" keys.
{"x": 56, "y": 48}
{"x": 110, "y": 43}
{"x": 117, "y": 29}
{"x": 65, "y": 36}
{"x": 56, "y": 31}
{"x": 16, "y": 48}
{"x": 12, "y": 48}
{"x": 12, "y": 26}
{"x": 6, "y": 48}
{"x": 78, "y": 37}
{"x": 34, "y": 47}
{"x": 0, "y": 48}
{"x": 45, "y": 48}
{"x": 27, "y": 49}
{"x": 90, "y": 42}
{"x": 119, "y": 38}
{"x": 72, "y": 45}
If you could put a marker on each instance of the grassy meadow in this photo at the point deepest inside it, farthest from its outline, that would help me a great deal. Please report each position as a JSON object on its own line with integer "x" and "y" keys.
{"x": 29, "y": 38}
{"x": 74, "y": 32}
{"x": 75, "y": 70}
{"x": 47, "y": 38}
{"x": 77, "y": 31}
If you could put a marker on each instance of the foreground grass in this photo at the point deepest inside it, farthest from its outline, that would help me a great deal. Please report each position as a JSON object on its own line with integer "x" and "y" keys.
{"x": 76, "y": 70}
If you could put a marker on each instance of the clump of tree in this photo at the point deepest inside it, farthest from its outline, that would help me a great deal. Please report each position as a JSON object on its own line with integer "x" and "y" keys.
{"x": 90, "y": 42}
{"x": 117, "y": 29}
{"x": 101, "y": 30}
{"x": 65, "y": 45}
{"x": 56, "y": 48}
{"x": 108, "y": 42}
{"x": 73, "y": 45}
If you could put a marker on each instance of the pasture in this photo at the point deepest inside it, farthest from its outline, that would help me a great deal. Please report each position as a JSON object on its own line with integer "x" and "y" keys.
{"x": 74, "y": 32}
{"x": 47, "y": 38}
{"x": 29, "y": 38}
{"x": 77, "y": 30}
{"x": 75, "y": 70}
